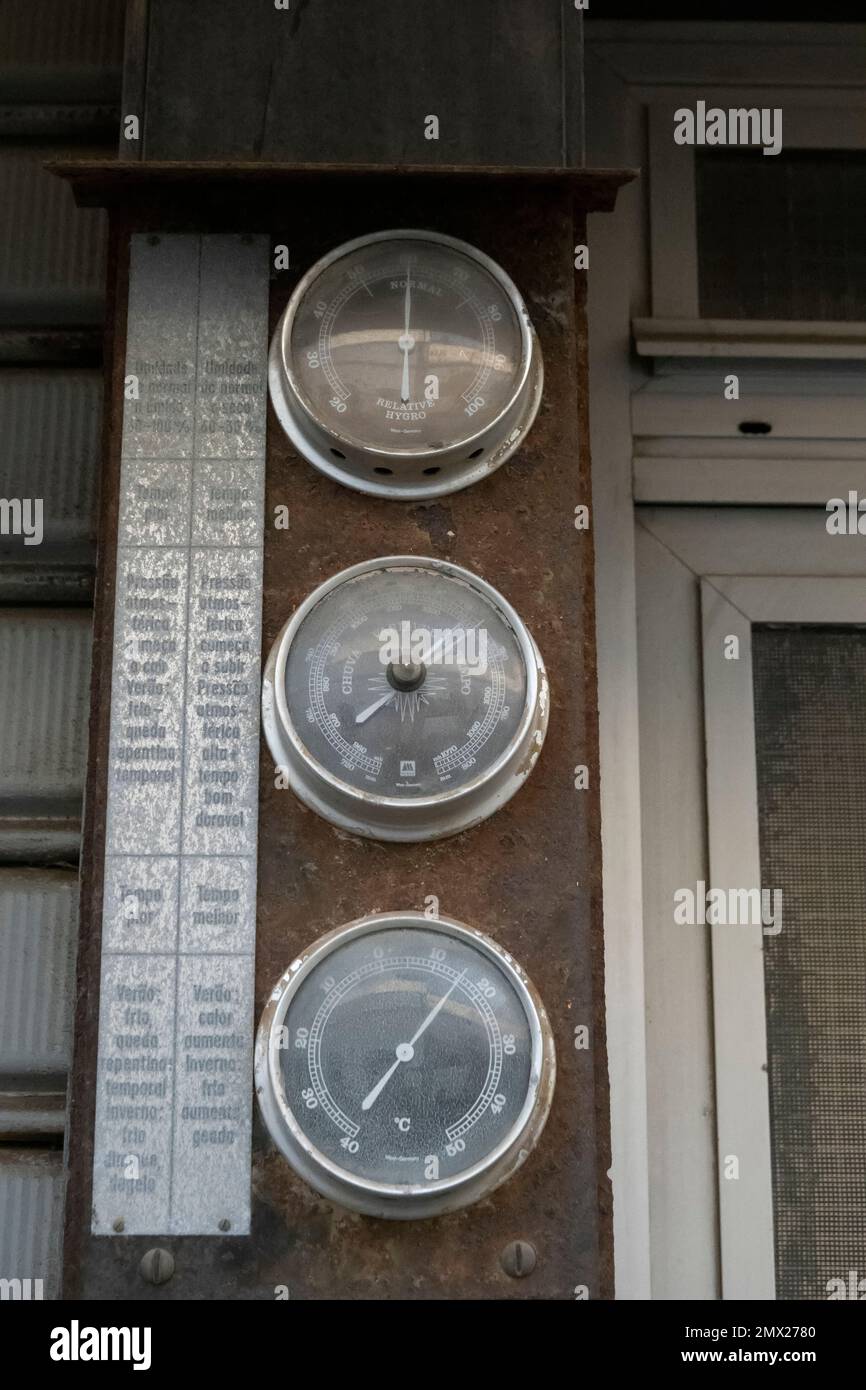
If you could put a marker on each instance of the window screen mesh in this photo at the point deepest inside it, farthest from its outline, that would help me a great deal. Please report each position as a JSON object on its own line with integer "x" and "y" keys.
{"x": 810, "y": 722}
{"x": 781, "y": 236}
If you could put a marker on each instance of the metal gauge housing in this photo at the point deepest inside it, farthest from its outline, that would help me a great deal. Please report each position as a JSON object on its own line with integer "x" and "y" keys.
{"x": 405, "y": 1067}
{"x": 406, "y": 365}
{"x": 405, "y": 699}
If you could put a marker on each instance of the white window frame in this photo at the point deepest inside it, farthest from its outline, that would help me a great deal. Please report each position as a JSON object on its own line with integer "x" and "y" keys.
{"x": 688, "y": 446}
{"x": 730, "y": 608}
{"x": 629, "y": 68}
{"x": 750, "y": 566}
{"x": 673, "y": 229}
{"x": 817, "y": 445}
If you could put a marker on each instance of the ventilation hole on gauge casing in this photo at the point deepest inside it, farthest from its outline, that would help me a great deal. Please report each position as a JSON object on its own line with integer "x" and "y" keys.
{"x": 754, "y": 427}
{"x": 389, "y": 471}
{"x": 338, "y": 455}
{"x": 477, "y": 454}
{"x": 428, "y": 472}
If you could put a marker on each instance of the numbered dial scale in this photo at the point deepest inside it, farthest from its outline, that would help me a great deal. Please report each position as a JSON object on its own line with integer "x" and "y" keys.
{"x": 405, "y": 1067}
{"x": 405, "y": 365}
{"x": 405, "y": 699}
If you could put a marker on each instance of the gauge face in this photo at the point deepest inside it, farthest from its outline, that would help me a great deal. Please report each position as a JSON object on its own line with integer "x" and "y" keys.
{"x": 405, "y": 683}
{"x": 406, "y": 364}
{"x": 406, "y": 345}
{"x": 406, "y": 1057}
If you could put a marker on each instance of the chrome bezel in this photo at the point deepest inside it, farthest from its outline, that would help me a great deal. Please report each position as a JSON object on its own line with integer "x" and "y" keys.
{"x": 316, "y": 439}
{"x": 404, "y": 818}
{"x": 404, "y": 1201}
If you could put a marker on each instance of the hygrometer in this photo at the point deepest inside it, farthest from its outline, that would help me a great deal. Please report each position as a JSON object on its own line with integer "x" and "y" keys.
{"x": 406, "y": 365}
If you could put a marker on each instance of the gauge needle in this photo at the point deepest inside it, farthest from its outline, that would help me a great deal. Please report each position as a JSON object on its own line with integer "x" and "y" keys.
{"x": 406, "y": 1051}
{"x": 434, "y": 651}
{"x": 407, "y": 342}
{"x": 384, "y": 699}
{"x": 371, "y": 709}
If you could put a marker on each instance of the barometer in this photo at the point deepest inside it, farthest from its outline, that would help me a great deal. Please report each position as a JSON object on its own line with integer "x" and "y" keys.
{"x": 405, "y": 699}
{"x": 406, "y": 365}
{"x": 404, "y": 1066}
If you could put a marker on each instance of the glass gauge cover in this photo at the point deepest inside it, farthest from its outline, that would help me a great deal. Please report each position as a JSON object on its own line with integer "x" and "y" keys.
{"x": 405, "y": 699}
{"x": 405, "y": 1067}
{"x": 406, "y": 365}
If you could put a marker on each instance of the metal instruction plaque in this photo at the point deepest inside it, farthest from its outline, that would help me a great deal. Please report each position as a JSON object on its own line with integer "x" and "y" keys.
{"x": 174, "y": 1075}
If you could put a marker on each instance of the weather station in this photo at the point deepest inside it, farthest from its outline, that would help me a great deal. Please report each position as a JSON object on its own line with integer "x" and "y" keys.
{"x": 340, "y": 1027}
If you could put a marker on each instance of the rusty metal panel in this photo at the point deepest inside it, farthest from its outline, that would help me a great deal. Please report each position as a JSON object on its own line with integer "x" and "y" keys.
{"x": 31, "y": 1219}
{"x": 44, "y": 676}
{"x": 529, "y": 876}
{"x": 233, "y": 81}
{"x": 50, "y": 423}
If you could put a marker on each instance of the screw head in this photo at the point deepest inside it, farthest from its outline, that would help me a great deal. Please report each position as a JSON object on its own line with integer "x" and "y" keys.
{"x": 225, "y": 1224}
{"x": 157, "y": 1266}
{"x": 118, "y": 1225}
{"x": 519, "y": 1259}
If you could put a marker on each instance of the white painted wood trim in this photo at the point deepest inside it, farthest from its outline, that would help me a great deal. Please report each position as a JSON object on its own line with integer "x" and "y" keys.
{"x": 739, "y": 1016}
{"x": 810, "y": 120}
{"x": 795, "y": 598}
{"x": 752, "y": 540}
{"x": 749, "y": 481}
{"x": 673, "y": 224}
{"x": 690, "y": 336}
{"x": 797, "y": 100}
{"x": 684, "y": 1225}
{"x": 616, "y": 136}
{"x": 698, "y": 414}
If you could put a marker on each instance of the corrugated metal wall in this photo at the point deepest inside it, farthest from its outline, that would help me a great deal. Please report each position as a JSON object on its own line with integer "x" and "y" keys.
{"x": 60, "y": 77}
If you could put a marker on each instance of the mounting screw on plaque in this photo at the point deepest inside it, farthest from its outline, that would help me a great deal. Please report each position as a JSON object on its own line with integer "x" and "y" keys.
{"x": 157, "y": 1266}
{"x": 519, "y": 1259}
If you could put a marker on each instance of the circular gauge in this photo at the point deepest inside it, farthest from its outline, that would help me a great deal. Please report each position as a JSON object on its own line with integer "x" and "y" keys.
{"x": 405, "y": 700}
{"x": 406, "y": 365}
{"x": 405, "y": 1067}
